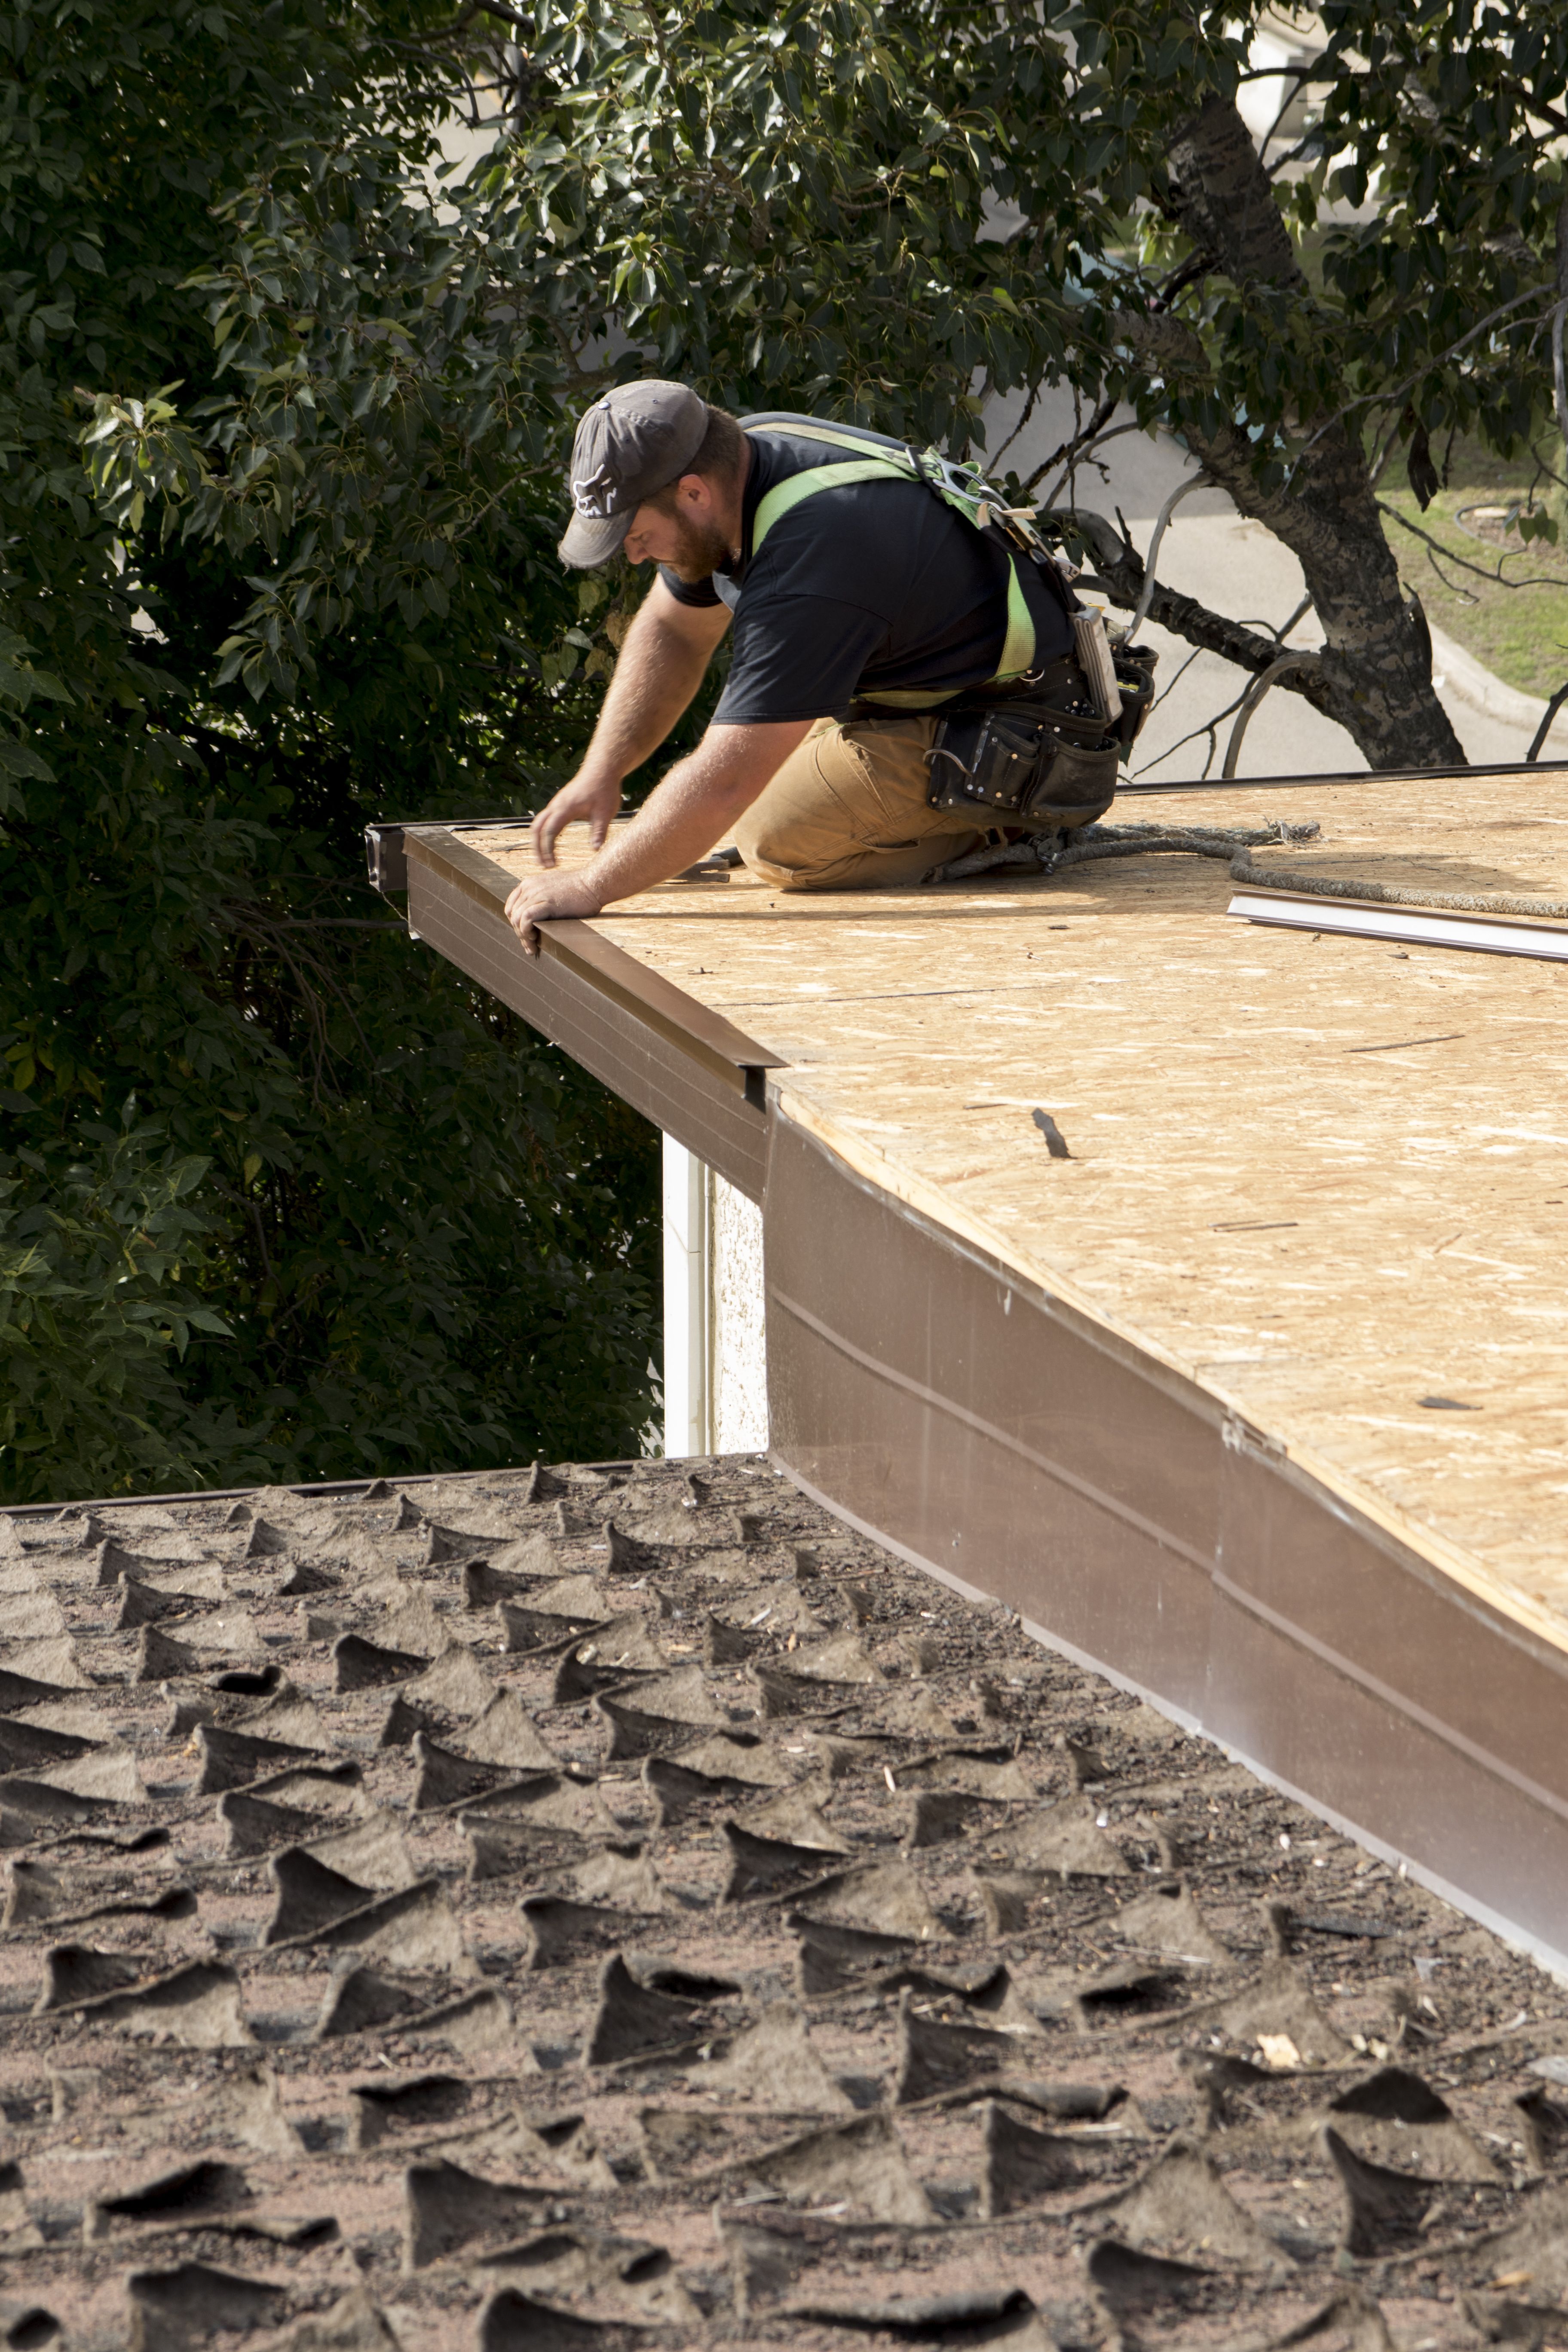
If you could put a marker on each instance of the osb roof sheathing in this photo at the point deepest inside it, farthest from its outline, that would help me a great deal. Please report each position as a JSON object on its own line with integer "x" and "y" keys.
{"x": 1324, "y": 1176}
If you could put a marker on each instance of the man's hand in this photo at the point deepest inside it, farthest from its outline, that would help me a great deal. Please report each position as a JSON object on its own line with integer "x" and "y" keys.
{"x": 666, "y": 650}
{"x": 683, "y": 817}
{"x": 586, "y": 799}
{"x": 546, "y": 898}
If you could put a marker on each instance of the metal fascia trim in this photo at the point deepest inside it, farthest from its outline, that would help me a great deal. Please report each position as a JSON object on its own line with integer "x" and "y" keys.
{"x": 1363, "y": 918}
{"x": 1493, "y": 1610}
{"x": 385, "y": 864}
{"x": 383, "y": 851}
{"x": 1549, "y": 1955}
{"x": 1423, "y": 1548}
{"x": 704, "y": 1034}
{"x": 1483, "y": 1608}
{"x": 1083, "y": 1487}
{"x": 1411, "y": 1709}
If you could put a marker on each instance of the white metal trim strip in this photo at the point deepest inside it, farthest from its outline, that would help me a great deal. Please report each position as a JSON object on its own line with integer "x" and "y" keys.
{"x": 1484, "y": 934}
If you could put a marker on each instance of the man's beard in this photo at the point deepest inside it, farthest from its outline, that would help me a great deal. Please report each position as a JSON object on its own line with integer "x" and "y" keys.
{"x": 703, "y": 549}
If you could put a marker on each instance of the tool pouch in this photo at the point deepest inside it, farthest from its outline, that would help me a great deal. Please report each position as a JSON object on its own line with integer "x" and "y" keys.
{"x": 1016, "y": 762}
{"x": 1135, "y": 678}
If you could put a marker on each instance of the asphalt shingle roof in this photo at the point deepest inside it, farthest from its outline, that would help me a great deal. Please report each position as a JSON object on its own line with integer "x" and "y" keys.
{"x": 592, "y": 1908}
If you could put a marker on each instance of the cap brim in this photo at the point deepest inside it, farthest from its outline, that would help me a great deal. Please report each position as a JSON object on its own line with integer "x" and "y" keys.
{"x": 592, "y": 539}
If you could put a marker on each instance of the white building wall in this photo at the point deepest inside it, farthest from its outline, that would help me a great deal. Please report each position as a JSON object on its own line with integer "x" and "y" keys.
{"x": 715, "y": 1352}
{"x": 737, "y": 1323}
{"x": 687, "y": 1416}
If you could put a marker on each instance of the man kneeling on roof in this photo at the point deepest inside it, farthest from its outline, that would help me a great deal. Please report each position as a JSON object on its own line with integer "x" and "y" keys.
{"x": 909, "y": 672}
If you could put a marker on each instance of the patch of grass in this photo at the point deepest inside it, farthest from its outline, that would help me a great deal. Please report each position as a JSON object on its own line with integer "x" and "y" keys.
{"x": 1520, "y": 631}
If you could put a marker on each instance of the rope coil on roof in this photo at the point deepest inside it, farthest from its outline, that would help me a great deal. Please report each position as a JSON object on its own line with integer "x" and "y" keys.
{"x": 1049, "y": 851}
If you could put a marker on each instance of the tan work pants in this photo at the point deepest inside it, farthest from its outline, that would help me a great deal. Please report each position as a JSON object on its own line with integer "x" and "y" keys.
{"x": 847, "y": 811}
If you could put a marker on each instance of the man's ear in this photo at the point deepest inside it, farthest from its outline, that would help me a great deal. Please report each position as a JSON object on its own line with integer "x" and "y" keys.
{"x": 697, "y": 492}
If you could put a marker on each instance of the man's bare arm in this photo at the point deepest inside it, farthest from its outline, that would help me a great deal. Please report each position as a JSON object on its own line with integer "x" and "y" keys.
{"x": 666, "y": 650}
{"x": 696, "y": 805}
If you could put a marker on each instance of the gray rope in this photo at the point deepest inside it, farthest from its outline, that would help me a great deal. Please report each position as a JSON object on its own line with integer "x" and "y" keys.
{"x": 1051, "y": 851}
{"x": 1326, "y": 885}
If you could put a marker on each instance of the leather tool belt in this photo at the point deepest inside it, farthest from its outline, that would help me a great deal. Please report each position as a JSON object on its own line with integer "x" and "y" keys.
{"x": 1042, "y": 752}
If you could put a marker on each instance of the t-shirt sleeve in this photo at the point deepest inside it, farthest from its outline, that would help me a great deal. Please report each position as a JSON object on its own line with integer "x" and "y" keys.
{"x": 796, "y": 657}
{"x": 689, "y": 591}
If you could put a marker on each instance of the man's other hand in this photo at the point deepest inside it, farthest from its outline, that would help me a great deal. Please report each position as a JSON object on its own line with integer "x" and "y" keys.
{"x": 582, "y": 802}
{"x": 547, "y": 897}
{"x": 696, "y": 804}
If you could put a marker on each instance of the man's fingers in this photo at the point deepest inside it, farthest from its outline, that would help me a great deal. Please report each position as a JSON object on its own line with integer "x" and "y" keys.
{"x": 521, "y": 920}
{"x": 574, "y": 803}
{"x": 531, "y": 903}
{"x": 542, "y": 835}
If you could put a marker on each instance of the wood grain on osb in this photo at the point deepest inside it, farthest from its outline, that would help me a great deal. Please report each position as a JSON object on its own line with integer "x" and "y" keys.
{"x": 1320, "y": 1234}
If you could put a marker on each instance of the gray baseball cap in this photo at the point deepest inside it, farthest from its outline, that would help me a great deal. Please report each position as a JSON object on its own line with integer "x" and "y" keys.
{"x": 638, "y": 439}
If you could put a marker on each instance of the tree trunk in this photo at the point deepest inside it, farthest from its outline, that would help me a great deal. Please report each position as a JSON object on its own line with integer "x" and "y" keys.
{"x": 1377, "y": 658}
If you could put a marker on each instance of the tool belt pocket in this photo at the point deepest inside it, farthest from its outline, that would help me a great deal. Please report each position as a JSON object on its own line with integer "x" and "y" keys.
{"x": 1135, "y": 679}
{"x": 1014, "y": 762}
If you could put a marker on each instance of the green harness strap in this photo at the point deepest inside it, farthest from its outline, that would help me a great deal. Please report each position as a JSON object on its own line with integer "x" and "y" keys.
{"x": 1018, "y": 646}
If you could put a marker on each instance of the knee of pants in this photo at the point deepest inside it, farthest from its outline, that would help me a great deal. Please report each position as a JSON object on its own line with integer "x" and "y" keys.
{"x": 901, "y": 868}
{"x": 763, "y": 844}
{"x": 830, "y": 815}
{"x": 777, "y": 878}
{"x": 818, "y": 873}
{"x": 777, "y": 847}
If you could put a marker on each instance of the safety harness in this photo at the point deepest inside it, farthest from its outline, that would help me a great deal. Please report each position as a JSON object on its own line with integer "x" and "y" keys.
{"x": 1038, "y": 744}
{"x": 959, "y": 488}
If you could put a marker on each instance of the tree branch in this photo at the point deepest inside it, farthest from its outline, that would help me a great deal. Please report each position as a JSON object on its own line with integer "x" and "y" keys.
{"x": 1402, "y": 392}
{"x": 1224, "y": 200}
{"x": 1141, "y": 610}
{"x": 1542, "y": 733}
{"x": 1169, "y": 343}
{"x": 1274, "y": 675}
{"x": 1191, "y": 271}
{"x": 1533, "y": 105}
{"x": 1496, "y": 579}
{"x": 1121, "y": 573}
{"x": 1079, "y": 453}
{"x": 1067, "y": 450}
{"x": 1311, "y": 143}
{"x": 993, "y": 458}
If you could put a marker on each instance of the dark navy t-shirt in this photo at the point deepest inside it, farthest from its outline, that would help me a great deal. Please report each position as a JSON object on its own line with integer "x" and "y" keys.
{"x": 872, "y": 588}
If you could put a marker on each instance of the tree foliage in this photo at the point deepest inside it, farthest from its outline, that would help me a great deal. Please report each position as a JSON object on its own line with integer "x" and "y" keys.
{"x": 892, "y": 212}
{"x": 361, "y": 1220}
{"x": 1447, "y": 124}
{"x": 98, "y": 1288}
{"x": 285, "y": 402}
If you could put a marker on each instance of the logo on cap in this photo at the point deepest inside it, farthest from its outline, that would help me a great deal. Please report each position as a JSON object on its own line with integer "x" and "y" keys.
{"x": 592, "y": 496}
